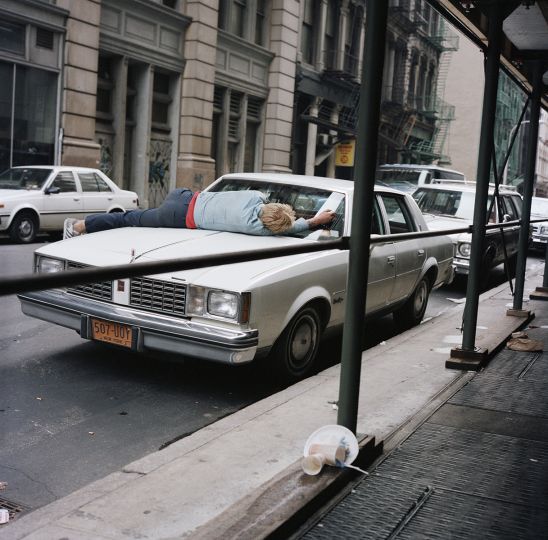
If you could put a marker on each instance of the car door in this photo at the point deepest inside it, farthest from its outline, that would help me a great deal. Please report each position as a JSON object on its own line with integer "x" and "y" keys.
{"x": 97, "y": 194}
{"x": 382, "y": 266}
{"x": 410, "y": 254}
{"x": 62, "y": 199}
{"x": 511, "y": 206}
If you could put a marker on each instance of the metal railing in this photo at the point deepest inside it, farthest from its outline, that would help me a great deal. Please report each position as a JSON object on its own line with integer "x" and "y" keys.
{"x": 36, "y": 282}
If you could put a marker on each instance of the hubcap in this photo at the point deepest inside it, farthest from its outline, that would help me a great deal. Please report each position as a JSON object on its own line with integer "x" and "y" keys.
{"x": 420, "y": 297}
{"x": 303, "y": 342}
{"x": 25, "y": 229}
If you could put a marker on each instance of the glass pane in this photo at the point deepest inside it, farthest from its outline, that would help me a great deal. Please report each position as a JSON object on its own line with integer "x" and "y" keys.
{"x": 103, "y": 186}
{"x": 6, "y": 91}
{"x": 88, "y": 181}
{"x": 12, "y": 37}
{"x": 35, "y": 107}
{"x": 21, "y": 178}
{"x": 65, "y": 181}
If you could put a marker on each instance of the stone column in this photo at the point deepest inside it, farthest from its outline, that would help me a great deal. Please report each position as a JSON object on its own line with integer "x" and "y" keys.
{"x": 119, "y": 119}
{"x": 284, "y": 44}
{"x": 320, "y": 63}
{"x": 311, "y": 139}
{"x": 195, "y": 167}
{"x": 141, "y": 133}
{"x": 80, "y": 83}
{"x": 343, "y": 30}
{"x": 330, "y": 171}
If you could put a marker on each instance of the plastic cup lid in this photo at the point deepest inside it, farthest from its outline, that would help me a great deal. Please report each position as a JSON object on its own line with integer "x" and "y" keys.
{"x": 335, "y": 435}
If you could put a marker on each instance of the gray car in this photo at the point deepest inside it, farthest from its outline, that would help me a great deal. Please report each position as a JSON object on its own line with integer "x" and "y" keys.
{"x": 451, "y": 206}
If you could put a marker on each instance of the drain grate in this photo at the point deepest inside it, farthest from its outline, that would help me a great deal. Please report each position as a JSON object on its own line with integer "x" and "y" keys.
{"x": 13, "y": 508}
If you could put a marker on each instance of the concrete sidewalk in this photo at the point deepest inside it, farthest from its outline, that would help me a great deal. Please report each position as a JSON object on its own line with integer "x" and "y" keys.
{"x": 240, "y": 477}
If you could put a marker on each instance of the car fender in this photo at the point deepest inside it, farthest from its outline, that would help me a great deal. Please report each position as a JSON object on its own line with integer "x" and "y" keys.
{"x": 115, "y": 208}
{"x": 270, "y": 330}
{"x": 25, "y": 206}
{"x": 429, "y": 266}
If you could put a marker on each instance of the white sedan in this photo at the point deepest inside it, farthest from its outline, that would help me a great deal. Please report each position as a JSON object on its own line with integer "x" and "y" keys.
{"x": 276, "y": 308}
{"x": 40, "y": 198}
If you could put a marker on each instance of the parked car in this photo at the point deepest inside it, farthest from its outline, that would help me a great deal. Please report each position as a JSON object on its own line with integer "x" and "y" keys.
{"x": 277, "y": 307}
{"x": 40, "y": 198}
{"x": 539, "y": 210}
{"x": 448, "y": 206}
{"x": 408, "y": 177}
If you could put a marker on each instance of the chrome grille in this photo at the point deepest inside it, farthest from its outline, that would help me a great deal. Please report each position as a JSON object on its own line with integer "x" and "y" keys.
{"x": 159, "y": 296}
{"x": 101, "y": 290}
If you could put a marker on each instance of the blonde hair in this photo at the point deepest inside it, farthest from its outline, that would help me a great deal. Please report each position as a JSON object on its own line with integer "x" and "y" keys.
{"x": 277, "y": 217}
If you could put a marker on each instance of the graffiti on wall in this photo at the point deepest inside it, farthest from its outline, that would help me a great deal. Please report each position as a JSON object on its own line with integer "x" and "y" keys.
{"x": 105, "y": 159}
{"x": 159, "y": 177}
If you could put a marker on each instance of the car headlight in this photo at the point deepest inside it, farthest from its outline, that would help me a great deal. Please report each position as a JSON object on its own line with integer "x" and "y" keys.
{"x": 464, "y": 249}
{"x": 47, "y": 265}
{"x": 543, "y": 230}
{"x": 222, "y": 304}
{"x": 204, "y": 302}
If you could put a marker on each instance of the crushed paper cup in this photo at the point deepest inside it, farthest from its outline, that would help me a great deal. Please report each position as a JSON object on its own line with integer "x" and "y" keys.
{"x": 333, "y": 445}
{"x": 525, "y": 345}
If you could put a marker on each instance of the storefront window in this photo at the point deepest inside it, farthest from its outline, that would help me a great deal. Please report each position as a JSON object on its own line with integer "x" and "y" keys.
{"x": 34, "y": 118}
{"x": 12, "y": 37}
{"x": 6, "y": 91}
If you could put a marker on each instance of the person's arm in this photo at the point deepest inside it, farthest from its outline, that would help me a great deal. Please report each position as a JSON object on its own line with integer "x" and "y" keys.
{"x": 301, "y": 224}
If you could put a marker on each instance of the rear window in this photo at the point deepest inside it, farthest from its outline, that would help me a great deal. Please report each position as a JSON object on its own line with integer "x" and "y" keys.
{"x": 402, "y": 179}
{"x": 306, "y": 201}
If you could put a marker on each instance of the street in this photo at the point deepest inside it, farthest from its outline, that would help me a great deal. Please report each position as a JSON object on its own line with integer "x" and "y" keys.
{"x": 73, "y": 411}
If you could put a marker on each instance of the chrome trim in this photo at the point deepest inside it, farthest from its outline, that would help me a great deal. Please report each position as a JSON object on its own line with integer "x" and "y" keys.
{"x": 155, "y": 331}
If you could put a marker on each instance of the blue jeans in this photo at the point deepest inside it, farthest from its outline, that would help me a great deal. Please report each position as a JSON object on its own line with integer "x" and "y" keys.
{"x": 171, "y": 213}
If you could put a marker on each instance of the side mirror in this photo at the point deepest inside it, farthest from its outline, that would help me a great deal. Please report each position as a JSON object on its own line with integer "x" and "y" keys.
{"x": 52, "y": 190}
{"x": 506, "y": 218}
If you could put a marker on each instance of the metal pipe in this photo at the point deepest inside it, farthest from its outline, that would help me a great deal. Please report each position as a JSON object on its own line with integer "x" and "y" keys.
{"x": 364, "y": 179}
{"x": 528, "y": 183}
{"x": 496, "y": 18}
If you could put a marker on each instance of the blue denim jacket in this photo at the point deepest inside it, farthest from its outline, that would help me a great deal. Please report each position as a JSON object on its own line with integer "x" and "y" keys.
{"x": 235, "y": 211}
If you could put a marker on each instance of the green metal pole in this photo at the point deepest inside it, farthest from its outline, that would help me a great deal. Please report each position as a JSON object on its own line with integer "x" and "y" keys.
{"x": 494, "y": 36}
{"x": 362, "y": 211}
{"x": 528, "y": 183}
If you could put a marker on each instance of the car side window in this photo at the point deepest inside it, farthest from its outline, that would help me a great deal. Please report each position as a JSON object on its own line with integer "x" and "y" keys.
{"x": 399, "y": 219}
{"x": 92, "y": 182}
{"x": 508, "y": 208}
{"x": 65, "y": 182}
{"x": 518, "y": 203}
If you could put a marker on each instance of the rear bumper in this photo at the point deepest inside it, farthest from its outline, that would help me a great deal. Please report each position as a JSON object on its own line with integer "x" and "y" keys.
{"x": 150, "y": 331}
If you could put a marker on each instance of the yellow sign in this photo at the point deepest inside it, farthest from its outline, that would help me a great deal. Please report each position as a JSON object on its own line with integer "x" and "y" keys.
{"x": 344, "y": 154}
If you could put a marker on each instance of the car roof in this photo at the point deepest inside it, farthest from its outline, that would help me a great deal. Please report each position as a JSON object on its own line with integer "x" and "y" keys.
{"x": 418, "y": 167}
{"x": 306, "y": 181}
{"x": 56, "y": 167}
{"x": 468, "y": 188}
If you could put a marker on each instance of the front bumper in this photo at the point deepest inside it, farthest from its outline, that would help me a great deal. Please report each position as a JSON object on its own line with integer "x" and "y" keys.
{"x": 461, "y": 266}
{"x": 539, "y": 240}
{"x": 151, "y": 331}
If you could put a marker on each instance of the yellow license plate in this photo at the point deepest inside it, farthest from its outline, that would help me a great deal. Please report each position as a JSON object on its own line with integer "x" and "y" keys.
{"x": 111, "y": 332}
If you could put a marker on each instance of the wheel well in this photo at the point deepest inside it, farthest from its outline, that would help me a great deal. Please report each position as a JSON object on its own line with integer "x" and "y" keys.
{"x": 27, "y": 212}
{"x": 115, "y": 210}
{"x": 432, "y": 274}
{"x": 323, "y": 309}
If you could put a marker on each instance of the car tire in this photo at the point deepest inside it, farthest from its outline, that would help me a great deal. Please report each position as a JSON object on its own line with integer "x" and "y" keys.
{"x": 412, "y": 312}
{"x": 23, "y": 228}
{"x": 293, "y": 356}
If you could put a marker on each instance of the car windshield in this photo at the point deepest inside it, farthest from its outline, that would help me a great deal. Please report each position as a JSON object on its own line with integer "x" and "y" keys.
{"x": 539, "y": 207}
{"x": 402, "y": 179}
{"x": 21, "y": 178}
{"x": 459, "y": 204}
{"x": 306, "y": 201}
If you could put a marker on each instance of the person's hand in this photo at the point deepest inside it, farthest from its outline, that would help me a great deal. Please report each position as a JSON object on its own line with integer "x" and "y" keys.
{"x": 327, "y": 216}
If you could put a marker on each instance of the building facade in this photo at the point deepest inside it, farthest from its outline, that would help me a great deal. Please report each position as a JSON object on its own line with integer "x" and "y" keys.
{"x": 165, "y": 93}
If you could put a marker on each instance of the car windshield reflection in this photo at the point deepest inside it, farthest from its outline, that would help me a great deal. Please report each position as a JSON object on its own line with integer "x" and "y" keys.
{"x": 30, "y": 179}
{"x": 306, "y": 201}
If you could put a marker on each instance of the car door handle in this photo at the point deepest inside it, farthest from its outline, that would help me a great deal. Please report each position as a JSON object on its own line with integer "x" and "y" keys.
{"x": 420, "y": 252}
{"x": 391, "y": 259}
{"x": 76, "y": 199}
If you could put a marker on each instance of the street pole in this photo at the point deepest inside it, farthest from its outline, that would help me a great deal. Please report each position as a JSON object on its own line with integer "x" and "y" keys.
{"x": 528, "y": 183}
{"x": 496, "y": 18}
{"x": 362, "y": 211}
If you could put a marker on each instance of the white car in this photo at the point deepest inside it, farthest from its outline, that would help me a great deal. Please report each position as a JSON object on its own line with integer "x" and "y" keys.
{"x": 234, "y": 313}
{"x": 40, "y": 198}
{"x": 539, "y": 210}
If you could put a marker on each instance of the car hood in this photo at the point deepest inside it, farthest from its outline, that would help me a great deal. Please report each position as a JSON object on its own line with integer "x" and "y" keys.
{"x": 123, "y": 246}
{"x": 441, "y": 223}
{"x": 14, "y": 194}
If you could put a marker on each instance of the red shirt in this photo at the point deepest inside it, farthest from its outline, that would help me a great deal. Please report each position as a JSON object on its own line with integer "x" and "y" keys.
{"x": 189, "y": 220}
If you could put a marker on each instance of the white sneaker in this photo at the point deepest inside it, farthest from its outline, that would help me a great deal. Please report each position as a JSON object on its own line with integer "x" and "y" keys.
{"x": 68, "y": 228}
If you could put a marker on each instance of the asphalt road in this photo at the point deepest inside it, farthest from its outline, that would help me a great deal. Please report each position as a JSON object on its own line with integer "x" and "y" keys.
{"x": 72, "y": 411}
